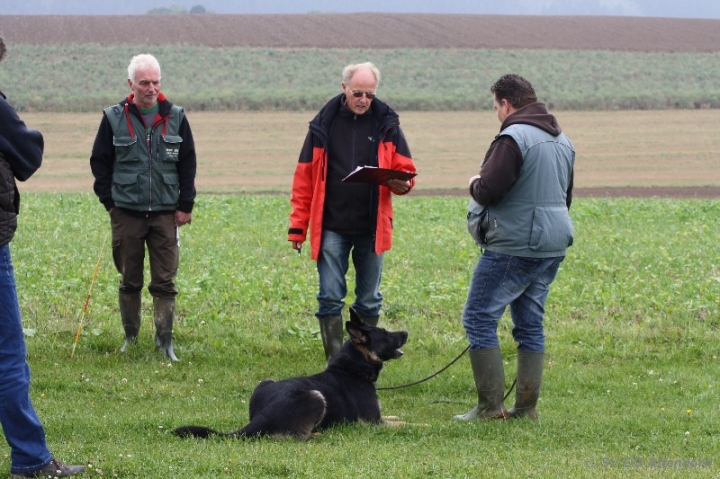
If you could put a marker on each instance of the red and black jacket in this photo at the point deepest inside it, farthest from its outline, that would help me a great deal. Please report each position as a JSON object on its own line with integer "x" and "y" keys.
{"x": 309, "y": 182}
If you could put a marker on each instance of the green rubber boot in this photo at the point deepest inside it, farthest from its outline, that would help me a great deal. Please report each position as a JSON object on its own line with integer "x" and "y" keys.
{"x": 489, "y": 378}
{"x": 164, "y": 319}
{"x": 371, "y": 320}
{"x": 130, "y": 314}
{"x": 529, "y": 378}
{"x": 331, "y": 331}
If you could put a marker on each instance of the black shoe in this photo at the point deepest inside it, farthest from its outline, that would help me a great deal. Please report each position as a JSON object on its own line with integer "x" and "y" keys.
{"x": 52, "y": 469}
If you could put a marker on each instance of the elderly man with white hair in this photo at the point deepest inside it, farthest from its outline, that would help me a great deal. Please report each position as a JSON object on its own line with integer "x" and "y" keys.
{"x": 144, "y": 165}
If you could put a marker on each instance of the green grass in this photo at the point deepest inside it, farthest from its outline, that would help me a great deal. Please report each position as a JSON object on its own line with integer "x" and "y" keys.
{"x": 631, "y": 373}
{"x": 88, "y": 77}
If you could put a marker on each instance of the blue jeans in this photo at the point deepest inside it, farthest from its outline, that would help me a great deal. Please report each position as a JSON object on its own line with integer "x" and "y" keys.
{"x": 333, "y": 266}
{"x": 500, "y": 280}
{"x": 23, "y": 430}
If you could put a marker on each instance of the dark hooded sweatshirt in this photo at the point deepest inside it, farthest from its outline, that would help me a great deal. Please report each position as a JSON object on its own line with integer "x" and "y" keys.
{"x": 503, "y": 160}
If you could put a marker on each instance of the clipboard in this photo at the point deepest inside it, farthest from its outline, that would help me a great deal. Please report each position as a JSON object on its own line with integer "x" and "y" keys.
{"x": 373, "y": 174}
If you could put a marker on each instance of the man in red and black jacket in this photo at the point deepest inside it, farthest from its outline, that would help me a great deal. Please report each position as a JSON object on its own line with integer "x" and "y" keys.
{"x": 353, "y": 129}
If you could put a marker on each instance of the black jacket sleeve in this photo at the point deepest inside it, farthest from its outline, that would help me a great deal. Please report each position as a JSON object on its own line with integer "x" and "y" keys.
{"x": 101, "y": 163}
{"x": 187, "y": 168}
{"x": 21, "y": 146}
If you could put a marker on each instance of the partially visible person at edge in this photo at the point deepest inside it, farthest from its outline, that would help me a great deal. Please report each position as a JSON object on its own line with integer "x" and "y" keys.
{"x": 144, "y": 165}
{"x": 525, "y": 185}
{"x": 21, "y": 151}
{"x": 353, "y": 129}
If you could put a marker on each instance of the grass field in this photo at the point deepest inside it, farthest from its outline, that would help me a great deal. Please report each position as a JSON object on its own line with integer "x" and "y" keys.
{"x": 252, "y": 151}
{"x": 202, "y": 78}
{"x": 630, "y": 388}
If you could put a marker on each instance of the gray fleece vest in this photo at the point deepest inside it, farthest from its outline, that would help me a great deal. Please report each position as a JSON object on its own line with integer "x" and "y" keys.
{"x": 532, "y": 220}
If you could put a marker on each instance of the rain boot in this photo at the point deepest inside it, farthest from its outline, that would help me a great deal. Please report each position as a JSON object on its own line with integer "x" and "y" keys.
{"x": 331, "y": 330}
{"x": 164, "y": 318}
{"x": 529, "y": 378}
{"x": 130, "y": 313}
{"x": 489, "y": 378}
{"x": 371, "y": 320}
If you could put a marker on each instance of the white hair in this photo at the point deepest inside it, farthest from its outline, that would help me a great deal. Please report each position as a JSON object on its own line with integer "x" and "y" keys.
{"x": 141, "y": 62}
{"x": 350, "y": 71}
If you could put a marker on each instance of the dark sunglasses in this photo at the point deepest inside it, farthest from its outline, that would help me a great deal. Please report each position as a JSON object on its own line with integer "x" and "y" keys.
{"x": 357, "y": 94}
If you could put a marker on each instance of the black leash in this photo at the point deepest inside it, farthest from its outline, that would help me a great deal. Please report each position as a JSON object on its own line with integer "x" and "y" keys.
{"x": 512, "y": 386}
{"x": 429, "y": 377}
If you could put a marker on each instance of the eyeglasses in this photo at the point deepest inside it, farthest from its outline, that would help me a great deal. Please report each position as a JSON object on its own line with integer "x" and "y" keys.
{"x": 357, "y": 94}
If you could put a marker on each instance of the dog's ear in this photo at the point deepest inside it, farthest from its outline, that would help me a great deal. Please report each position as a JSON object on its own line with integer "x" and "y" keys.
{"x": 355, "y": 318}
{"x": 356, "y": 332}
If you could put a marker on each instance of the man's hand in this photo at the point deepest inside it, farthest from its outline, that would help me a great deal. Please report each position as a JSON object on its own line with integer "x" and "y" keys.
{"x": 297, "y": 246}
{"x": 182, "y": 218}
{"x": 398, "y": 186}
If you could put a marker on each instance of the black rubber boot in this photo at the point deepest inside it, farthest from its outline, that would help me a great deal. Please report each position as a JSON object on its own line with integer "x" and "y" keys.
{"x": 489, "y": 378}
{"x": 529, "y": 379}
{"x": 164, "y": 319}
{"x": 130, "y": 313}
{"x": 331, "y": 331}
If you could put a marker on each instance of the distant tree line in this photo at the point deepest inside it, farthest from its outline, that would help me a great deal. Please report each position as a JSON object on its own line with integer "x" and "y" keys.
{"x": 175, "y": 9}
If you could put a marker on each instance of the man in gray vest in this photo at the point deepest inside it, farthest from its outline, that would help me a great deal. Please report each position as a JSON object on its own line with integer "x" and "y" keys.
{"x": 144, "y": 165}
{"x": 525, "y": 190}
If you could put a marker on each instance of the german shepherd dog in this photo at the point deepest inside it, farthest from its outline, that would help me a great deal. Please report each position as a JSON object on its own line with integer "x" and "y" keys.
{"x": 343, "y": 393}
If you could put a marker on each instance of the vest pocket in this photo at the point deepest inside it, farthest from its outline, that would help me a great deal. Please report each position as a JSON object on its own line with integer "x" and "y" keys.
{"x": 125, "y": 188}
{"x": 169, "y": 190}
{"x": 125, "y": 149}
{"x": 551, "y": 230}
{"x": 477, "y": 221}
{"x": 170, "y": 148}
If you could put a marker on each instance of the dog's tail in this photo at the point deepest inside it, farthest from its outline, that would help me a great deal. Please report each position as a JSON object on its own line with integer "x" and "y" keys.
{"x": 202, "y": 432}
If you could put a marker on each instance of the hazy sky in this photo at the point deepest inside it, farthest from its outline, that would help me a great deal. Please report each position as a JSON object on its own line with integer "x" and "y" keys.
{"x": 644, "y": 8}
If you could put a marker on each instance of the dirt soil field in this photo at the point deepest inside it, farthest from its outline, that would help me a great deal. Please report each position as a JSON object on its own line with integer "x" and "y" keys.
{"x": 373, "y": 30}
{"x": 671, "y": 153}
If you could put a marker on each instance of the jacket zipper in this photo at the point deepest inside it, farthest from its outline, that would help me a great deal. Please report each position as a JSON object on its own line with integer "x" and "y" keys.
{"x": 150, "y": 163}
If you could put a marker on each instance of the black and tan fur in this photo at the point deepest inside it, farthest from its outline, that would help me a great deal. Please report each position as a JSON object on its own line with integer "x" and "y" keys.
{"x": 343, "y": 393}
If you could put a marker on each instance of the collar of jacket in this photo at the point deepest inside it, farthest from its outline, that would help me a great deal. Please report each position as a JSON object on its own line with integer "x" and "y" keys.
{"x": 164, "y": 104}
{"x": 384, "y": 116}
{"x": 164, "y": 107}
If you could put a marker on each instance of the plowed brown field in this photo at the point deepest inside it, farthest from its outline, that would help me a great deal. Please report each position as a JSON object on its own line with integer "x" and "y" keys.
{"x": 373, "y": 30}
